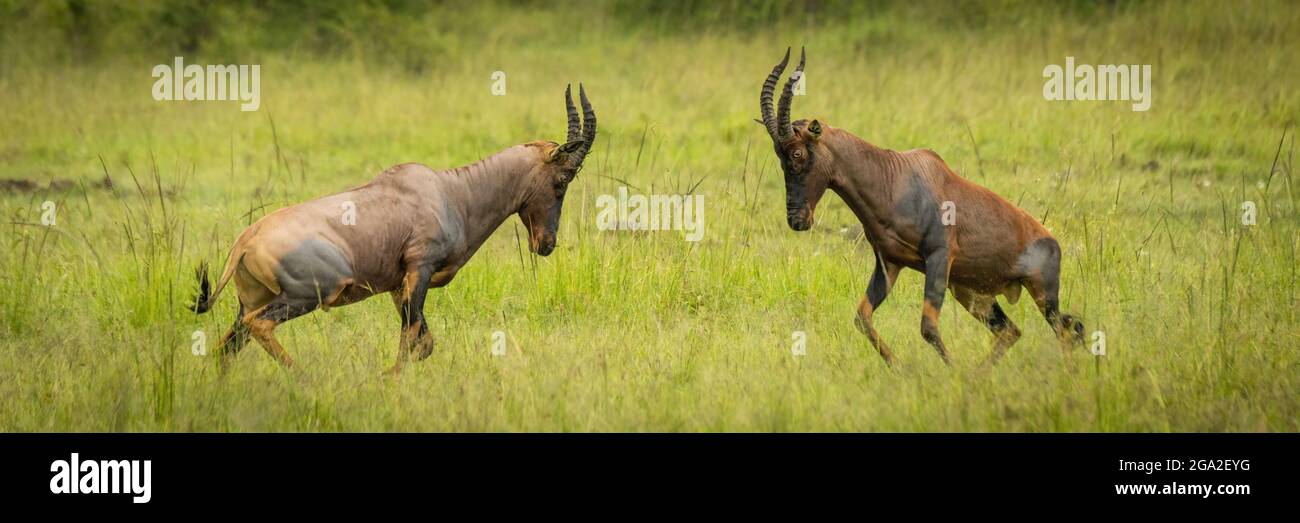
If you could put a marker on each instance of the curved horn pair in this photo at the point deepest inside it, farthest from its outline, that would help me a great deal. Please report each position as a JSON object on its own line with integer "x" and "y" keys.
{"x": 778, "y": 126}
{"x": 587, "y": 133}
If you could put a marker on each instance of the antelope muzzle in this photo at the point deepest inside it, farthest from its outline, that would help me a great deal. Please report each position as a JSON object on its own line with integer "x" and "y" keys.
{"x": 544, "y": 243}
{"x": 800, "y": 219}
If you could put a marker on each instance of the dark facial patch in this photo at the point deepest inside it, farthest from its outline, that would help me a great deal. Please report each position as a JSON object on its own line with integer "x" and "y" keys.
{"x": 796, "y": 162}
{"x": 542, "y": 215}
{"x": 553, "y": 218}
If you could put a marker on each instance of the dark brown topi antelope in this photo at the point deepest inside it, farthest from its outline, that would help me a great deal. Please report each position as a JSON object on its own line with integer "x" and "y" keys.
{"x": 413, "y": 228}
{"x": 991, "y": 248}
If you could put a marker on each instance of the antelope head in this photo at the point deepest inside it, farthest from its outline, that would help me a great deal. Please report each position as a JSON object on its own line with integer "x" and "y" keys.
{"x": 805, "y": 161}
{"x": 547, "y": 183}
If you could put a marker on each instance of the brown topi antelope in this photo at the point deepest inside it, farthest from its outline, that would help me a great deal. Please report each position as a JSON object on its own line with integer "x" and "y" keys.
{"x": 413, "y": 229}
{"x": 991, "y": 248}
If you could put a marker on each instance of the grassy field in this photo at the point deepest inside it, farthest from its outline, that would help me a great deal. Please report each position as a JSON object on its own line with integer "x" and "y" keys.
{"x": 621, "y": 331}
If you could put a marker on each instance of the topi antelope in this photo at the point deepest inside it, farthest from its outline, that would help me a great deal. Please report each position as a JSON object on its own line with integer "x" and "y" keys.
{"x": 413, "y": 229}
{"x": 992, "y": 248}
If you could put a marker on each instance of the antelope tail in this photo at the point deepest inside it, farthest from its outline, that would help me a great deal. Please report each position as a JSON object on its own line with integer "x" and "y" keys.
{"x": 207, "y": 297}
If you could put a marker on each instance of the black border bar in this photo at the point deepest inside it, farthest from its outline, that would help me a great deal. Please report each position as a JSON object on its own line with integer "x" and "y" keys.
{"x": 324, "y": 472}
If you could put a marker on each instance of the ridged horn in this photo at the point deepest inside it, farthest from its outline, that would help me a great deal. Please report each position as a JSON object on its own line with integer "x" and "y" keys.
{"x": 784, "y": 129}
{"x": 765, "y": 98}
{"x": 573, "y": 114}
{"x": 588, "y": 124}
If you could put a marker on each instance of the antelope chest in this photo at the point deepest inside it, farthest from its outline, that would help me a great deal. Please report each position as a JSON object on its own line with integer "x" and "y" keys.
{"x": 889, "y": 244}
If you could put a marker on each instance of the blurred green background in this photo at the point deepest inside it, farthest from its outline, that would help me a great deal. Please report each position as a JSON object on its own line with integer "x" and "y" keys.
{"x": 411, "y": 34}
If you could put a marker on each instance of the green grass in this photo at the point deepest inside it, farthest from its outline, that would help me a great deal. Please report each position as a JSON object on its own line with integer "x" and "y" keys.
{"x": 618, "y": 331}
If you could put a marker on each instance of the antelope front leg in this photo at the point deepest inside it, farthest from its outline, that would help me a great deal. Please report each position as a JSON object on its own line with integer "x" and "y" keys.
{"x": 410, "y": 308}
{"x": 882, "y": 280}
{"x": 936, "y": 284}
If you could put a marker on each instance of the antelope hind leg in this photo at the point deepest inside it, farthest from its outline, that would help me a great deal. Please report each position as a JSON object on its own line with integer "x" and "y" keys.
{"x": 985, "y": 309}
{"x": 233, "y": 341}
{"x": 1043, "y": 283}
{"x": 261, "y": 324}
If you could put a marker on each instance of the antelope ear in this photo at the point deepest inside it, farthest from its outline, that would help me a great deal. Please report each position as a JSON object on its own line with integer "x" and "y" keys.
{"x": 565, "y": 150}
{"x": 815, "y": 127}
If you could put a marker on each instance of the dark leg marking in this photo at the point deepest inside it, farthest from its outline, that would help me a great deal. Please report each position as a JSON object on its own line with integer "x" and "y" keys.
{"x": 987, "y": 310}
{"x": 262, "y": 322}
{"x": 233, "y": 341}
{"x": 415, "y": 339}
{"x": 1043, "y": 266}
{"x": 882, "y": 280}
{"x": 936, "y": 284}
